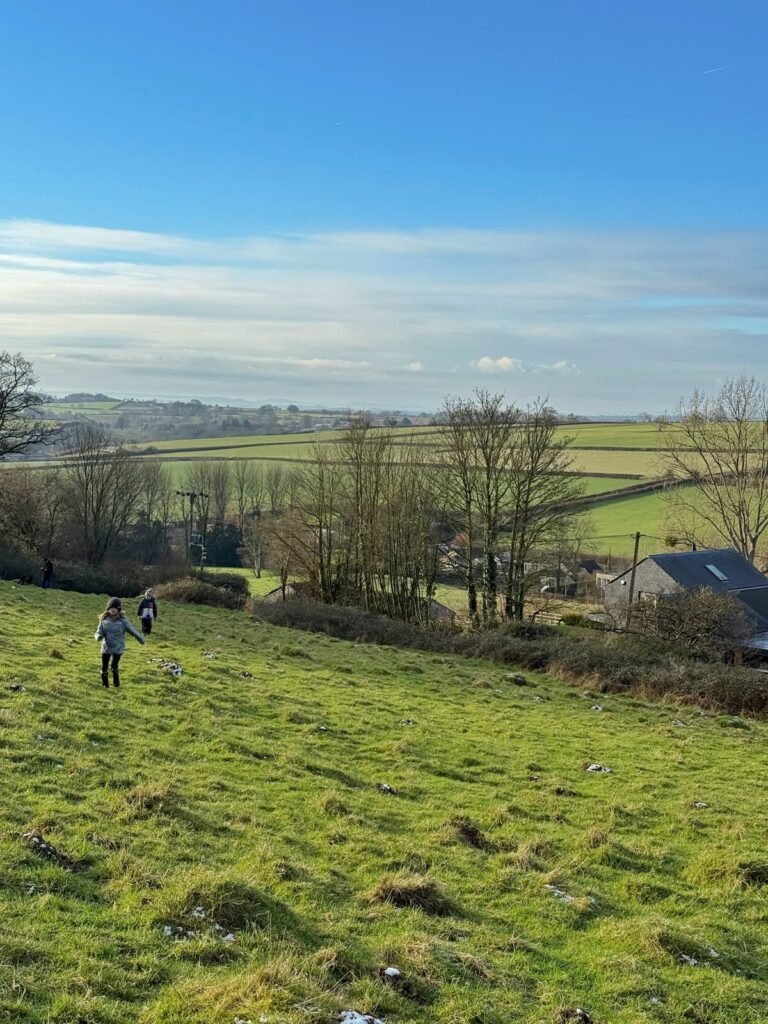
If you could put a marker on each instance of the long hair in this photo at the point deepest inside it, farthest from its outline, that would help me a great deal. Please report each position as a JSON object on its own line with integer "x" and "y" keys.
{"x": 105, "y": 613}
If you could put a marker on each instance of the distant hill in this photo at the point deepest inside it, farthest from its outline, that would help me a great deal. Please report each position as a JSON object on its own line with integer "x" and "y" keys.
{"x": 77, "y": 397}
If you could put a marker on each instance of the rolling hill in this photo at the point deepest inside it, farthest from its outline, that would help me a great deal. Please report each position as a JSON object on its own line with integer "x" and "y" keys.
{"x": 275, "y": 834}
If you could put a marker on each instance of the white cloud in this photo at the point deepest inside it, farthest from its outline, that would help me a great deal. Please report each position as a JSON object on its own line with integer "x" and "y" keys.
{"x": 508, "y": 364}
{"x": 600, "y": 321}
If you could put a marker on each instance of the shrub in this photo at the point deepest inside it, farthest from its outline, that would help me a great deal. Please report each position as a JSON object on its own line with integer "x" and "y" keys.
{"x": 231, "y": 580}
{"x": 15, "y": 566}
{"x": 195, "y": 591}
{"x": 87, "y": 579}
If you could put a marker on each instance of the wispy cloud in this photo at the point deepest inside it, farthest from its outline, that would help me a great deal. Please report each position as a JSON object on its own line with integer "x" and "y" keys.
{"x": 600, "y": 321}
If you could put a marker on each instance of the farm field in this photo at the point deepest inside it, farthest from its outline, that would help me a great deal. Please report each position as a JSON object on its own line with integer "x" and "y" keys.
{"x": 219, "y": 846}
{"x": 617, "y": 521}
{"x": 619, "y": 435}
{"x": 642, "y": 464}
{"x": 84, "y": 408}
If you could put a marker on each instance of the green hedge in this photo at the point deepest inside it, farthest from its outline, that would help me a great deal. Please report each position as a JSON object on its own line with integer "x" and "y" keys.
{"x": 196, "y": 591}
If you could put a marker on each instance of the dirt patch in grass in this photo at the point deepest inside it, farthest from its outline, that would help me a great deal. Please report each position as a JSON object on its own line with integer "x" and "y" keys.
{"x": 464, "y": 830}
{"x": 754, "y": 872}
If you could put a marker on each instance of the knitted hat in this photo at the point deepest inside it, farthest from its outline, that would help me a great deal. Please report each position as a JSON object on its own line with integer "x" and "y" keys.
{"x": 115, "y": 602}
{"x": 149, "y": 594}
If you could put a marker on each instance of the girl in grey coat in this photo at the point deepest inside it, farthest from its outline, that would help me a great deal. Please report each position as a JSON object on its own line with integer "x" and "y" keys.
{"x": 112, "y": 628}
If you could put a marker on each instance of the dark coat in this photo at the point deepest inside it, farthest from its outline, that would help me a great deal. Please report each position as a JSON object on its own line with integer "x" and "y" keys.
{"x": 147, "y": 604}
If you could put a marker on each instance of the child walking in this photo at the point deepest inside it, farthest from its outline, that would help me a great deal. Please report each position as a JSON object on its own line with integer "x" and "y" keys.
{"x": 147, "y": 612}
{"x": 112, "y": 628}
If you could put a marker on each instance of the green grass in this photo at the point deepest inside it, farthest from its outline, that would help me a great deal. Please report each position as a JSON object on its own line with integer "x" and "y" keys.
{"x": 248, "y": 789}
{"x": 619, "y": 520}
{"x": 618, "y": 435}
{"x": 95, "y": 408}
{"x": 644, "y": 464}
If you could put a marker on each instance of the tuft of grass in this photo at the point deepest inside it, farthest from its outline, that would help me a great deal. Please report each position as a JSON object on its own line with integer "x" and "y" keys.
{"x": 332, "y": 805}
{"x": 415, "y": 891}
{"x": 206, "y": 900}
{"x": 531, "y": 855}
{"x": 596, "y": 836}
{"x": 149, "y": 798}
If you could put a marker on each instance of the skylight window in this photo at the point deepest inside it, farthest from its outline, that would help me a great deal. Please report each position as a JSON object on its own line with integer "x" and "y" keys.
{"x": 716, "y": 572}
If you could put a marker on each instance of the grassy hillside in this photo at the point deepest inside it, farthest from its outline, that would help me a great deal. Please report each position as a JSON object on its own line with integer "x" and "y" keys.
{"x": 224, "y": 845}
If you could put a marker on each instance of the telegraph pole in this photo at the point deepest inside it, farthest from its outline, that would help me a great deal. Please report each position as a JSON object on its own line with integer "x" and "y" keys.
{"x": 193, "y": 496}
{"x": 632, "y": 580}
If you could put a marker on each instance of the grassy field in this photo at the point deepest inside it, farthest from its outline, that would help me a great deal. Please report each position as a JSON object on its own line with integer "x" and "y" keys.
{"x": 221, "y": 848}
{"x": 618, "y": 520}
{"x": 644, "y": 464}
{"x": 301, "y": 446}
{"x": 618, "y": 435}
{"x": 587, "y": 435}
{"x": 257, "y": 587}
{"x": 84, "y": 408}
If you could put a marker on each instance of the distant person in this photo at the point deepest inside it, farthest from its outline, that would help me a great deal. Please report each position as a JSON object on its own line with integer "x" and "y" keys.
{"x": 47, "y": 570}
{"x": 147, "y": 612}
{"x": 112, "y": 628}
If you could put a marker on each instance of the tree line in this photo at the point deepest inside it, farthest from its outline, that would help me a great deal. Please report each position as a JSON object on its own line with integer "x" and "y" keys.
{"x": 377, "y": 518}
{"x": 377, "y": 521}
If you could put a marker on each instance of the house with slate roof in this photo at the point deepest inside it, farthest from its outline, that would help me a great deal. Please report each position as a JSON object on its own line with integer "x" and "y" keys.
{"x": 723, "y": 570}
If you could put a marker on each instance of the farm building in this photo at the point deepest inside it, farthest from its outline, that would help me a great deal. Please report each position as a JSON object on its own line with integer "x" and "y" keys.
{"x": 440, "y": 612}
{"x": 723, "y": 570}
{"x": 288, "y": 593}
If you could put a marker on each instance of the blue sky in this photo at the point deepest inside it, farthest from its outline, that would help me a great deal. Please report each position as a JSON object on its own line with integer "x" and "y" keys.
{"x": 348, "y": 202}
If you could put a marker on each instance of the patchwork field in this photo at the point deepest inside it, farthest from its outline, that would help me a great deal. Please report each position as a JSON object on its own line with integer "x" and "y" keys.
{"x": 610, "y": 457}
{"x": 264, "y": 837}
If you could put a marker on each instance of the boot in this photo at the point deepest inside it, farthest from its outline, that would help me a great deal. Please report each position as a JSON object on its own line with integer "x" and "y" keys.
{"x": 115, "y": 678}
{"x": 104, "y": 679}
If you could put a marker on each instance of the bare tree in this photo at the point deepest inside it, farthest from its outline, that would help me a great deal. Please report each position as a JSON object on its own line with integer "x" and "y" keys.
{"x": 19, "y": 400}
{"x": 252, "y": 545}
{"x": 198, "y": 482}
{"x": 480, "y": 433}
{"x": 31, "y": 509}
{"x": 155, "y": 490}
{"x": 249, "y": 498}
{"x": 461, "y": 484}
{"x": 221, "y": 489}
{"x": 314, "y": 526}
{"x": 282, "y": 542}
{"x": 538, "y": 506}
{"x": 411, "y": 521}
{"x": 274, "y": 482}
{"x": 720, "y": 448}
{"x": 103, "y": 487}
{"x": 491, "y": 429}
{"x": 365, "y": 452}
